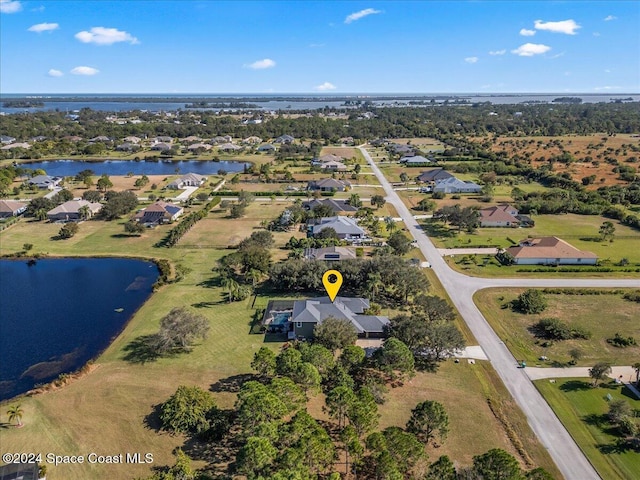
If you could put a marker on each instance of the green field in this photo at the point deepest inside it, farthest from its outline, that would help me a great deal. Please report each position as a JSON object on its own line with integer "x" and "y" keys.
{"x": 581, "y": 409}
{"x": 602, "y": 315}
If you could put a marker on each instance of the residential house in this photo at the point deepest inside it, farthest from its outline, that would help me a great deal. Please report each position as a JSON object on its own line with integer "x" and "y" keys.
{"x": 162, "y": 139}
{"x": 158, "y": 213}
{"x": 24, "y": 145}
{"x": 284, "y": 139}
{"x": 431, "y": 176}
{"x": 11, "y": 208}
{"x": 72, "y": 211}
{"x": 347, "y": 141}
{"x": 161, "y": 147}
{"x": 6, "y": 139}
{"x": 338, "y": 206}
{"x": 266, "y": 147}
{"x": 333, "y": 166}
{"x": 252, "y": 140}
{"x": 229, "y": 147}
{"x": 195, "y": 147}
{"x": 329, "y": 185}
{"x": 132, "y": 139}
{"x": 330, "y": 254}
{"x": 72, "y": 138}
{"x": 415, "y": 160}
{"x": 455, "y": 185}
{"x": 503, "y": 216}
{"x": 127, "y": 147}
{"x": 100, "y": 138}
{"x": 45, "y": 181}
{"x": 311, "y": 312}
{"x": 398, "y": 149}
{"x": 187, "y": 180}
{"x": 346, "y": 228}
{"x": 191, "y": 139}
{"x": 549, "y": 251}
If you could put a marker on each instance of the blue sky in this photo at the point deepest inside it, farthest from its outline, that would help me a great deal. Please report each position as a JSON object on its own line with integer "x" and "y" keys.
{"x": 328, "y": 47}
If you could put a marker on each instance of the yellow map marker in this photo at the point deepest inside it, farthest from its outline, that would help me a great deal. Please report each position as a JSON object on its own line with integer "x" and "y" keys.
{"x": 332, "y": 288}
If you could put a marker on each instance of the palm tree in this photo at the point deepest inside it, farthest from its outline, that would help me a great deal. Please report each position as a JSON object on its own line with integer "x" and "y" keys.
{"x": 84, "y": 212}
{"x": 255, "y": 276}
{"x": 231, "y": 286}
{"x": 374, "y": 284}
{"x": 391, "y": 224}
{"x": 15, "y": 413}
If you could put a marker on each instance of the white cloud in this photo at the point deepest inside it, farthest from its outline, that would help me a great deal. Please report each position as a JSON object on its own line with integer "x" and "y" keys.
{"x": 325, "y": 86}
{"x": 9, "y": 6}
{"x": 531, "y": 49}
{"x": 43, "y": 27}
{"x": 607, "y": 87}
{"x": 82, "y": 70}
{"x": 564, "y": 26}
{"x": 38, "y": 9}
{"x": 471, "y": 59}
{"x": 608, "y": 18}
{"x": 55, "y": 73}
{"x": 527, "y": 33}
{"x": 361, "y": 14}
{"x": 497, "y": 52}
{"x": 261, "y": 64}
{"x": 606, "y": 70}
{"x": 105, "y": 36}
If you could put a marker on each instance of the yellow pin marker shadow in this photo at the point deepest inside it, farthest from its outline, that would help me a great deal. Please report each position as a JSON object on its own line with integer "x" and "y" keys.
{"x": 332, "y": 288}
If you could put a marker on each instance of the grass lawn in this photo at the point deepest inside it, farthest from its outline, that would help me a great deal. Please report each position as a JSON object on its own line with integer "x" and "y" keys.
{"x": 602, "y": 315}
{"x": 581, "y": 409}
{"x": 110, "y": 410}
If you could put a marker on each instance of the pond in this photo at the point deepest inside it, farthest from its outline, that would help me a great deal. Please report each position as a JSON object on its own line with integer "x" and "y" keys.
{"x": 70, "y": 168}
{"x": 57, "y": 314}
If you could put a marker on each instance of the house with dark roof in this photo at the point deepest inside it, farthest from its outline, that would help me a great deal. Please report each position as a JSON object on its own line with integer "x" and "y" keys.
{"x": 161, "y": 147}
{"x": 266, "y": 147}
{"x": 72, "y": 211}
{"x": 187, "y": 180}
{"x": 399, "y": 149}
{"x": 503, "y": 216}
{"x": 11, "y": 208}
{"x": 6, "y": 139}
{"x": 45, "y": 181}
{"x": 311, "y": 312}
{"x": 345, "y": 227}
{"x": 158, "y": 213}
{"x": 549, "y": 251}
{"x": 329, "y": 185}
{"x": 455, "y": 185}
{"x": 431, "y": 176}
{"x": 338, "y": 206}
{"x": 330, "y": 254}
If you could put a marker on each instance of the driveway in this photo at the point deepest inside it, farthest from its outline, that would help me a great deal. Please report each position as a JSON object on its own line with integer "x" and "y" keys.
{"x": 467, "y": 251}
{"x": 187, "y": 192}
{"x": 460, "y": 288}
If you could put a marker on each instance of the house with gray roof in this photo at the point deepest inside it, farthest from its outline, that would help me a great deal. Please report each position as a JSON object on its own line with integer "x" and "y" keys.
{"x": 311, "y": 312}
{"x": 266, "y": 147}
{"x": 432, "y": 176}
{"x": 6, "y": 139}
{"x": 338, "y": 206}
{"x": 45, "y": 181}
{"x": 187, "y": 180}
{"x": 347, "y": 228}
{"x": 161, "y": 147}
{"x": 11, "y": 208}
{"x": 455, "y": 185}
{"x": 330, "y": 254}
{"x": 72, "y": 211}
{"x": 329, "y": 185}
{"x": 284, "y": 139}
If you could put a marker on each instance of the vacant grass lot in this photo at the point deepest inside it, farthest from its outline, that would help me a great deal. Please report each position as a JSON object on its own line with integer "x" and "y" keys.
{"x": 602, "y": 315}
{"x": 110, "y": 410}
{"x": 581, "y": 409}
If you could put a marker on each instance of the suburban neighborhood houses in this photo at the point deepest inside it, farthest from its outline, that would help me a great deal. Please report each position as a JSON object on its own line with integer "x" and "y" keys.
{"x": 73, "y": 211}
{"x": 503, "y": 216}
{"x": 549, "y": 251}
{"x": 159, "y": 213}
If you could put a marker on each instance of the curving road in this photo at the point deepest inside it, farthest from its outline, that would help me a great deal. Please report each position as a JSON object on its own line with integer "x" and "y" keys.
{"x": 564, "y": 451}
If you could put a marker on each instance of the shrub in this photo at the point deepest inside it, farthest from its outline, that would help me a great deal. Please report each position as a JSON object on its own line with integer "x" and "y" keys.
{"x": 68, "y": 230}
{"x": 556, "y": 329}
{"x": 530, "y": 301}
{"x": 621, "y": 342}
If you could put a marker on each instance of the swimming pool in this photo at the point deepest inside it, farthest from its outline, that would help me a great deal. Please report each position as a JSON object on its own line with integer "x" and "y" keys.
{"x": 281, "y": 318}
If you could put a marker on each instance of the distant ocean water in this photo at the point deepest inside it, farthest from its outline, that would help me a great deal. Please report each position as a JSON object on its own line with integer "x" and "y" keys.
{"x": 172, "y": 102}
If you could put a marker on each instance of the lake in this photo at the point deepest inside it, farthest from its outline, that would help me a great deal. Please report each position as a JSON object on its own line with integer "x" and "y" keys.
{"x": 69, "y": 168}
{"x": 58, "y": 314}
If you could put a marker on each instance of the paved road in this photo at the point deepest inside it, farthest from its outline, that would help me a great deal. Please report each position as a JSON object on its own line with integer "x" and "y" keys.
{"x": 564, "y": 451}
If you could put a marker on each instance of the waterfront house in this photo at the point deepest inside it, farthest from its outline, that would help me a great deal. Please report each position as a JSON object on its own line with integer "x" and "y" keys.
{"x": 45, "y": 182}
{"x": 158, "y": 213}
{"x": 73, "y": 211}
{"x": 187, "y": 180}
{"x": 11, "y": 208}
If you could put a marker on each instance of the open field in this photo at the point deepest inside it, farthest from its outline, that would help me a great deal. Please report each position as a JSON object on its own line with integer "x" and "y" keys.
{"x": 347, "y": 153}
{"x": 581, "y": 231}
{"x": 79, "y": 417}
{"x": 602, "y": 315}
{"x": 581, "y": 409}
{"x": 585, "y": 149}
